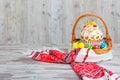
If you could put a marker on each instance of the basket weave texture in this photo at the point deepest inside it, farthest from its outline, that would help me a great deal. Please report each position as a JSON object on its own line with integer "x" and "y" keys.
{"x": 107, "y": 38}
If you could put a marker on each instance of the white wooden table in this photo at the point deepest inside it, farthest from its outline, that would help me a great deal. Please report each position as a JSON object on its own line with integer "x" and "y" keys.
{"x": 15, "y": 66}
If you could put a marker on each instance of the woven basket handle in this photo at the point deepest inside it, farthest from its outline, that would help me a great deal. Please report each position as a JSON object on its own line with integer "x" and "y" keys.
{"x": 86, "y": 15}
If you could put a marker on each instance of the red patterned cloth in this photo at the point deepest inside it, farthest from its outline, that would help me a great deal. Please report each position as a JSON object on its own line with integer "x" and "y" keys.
{"x": 85, "y": 70}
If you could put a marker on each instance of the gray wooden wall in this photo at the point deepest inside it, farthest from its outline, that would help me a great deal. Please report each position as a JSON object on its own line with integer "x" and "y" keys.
{"x": 50, "y": 22}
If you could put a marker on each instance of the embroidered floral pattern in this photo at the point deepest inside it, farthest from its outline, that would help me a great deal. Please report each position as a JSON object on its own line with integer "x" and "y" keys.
{"x": 83, "y": 69}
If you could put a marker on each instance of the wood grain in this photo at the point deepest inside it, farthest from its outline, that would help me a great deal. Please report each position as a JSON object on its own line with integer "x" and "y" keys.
{"x": 45, "y": 22}
{"x": 17, "y": 66}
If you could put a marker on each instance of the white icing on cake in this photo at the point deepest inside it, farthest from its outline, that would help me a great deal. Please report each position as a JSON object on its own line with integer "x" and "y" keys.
{"x": 91, "y": 33}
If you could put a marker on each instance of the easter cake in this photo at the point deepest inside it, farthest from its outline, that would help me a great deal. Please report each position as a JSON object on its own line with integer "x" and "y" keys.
{"x": 91, "y": 33}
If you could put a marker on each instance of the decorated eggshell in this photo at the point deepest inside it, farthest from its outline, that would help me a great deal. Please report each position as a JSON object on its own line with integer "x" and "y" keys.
{"x": 103, "y": 45}
{"x": 74, "y": 45}
{"x": 89, "y": 46}
{"x": 96, "y": 46}
{"x": 81, "y": 45}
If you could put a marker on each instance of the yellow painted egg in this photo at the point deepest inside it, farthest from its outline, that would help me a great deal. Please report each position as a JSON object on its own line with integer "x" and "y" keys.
{"x": 74, "y": 45}
{"x": 81, "y": 45}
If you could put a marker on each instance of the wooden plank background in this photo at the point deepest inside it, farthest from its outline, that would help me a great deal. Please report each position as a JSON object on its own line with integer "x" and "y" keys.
{"x": 50, "y": 22}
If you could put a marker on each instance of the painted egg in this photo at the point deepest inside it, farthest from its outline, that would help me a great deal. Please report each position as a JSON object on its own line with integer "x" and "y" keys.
{"x": 89, "y": 46}
{"x": 103, "y": 45}
{"x": 81, "y": 45}
{"x": 74, "y": 45}
{"x": 96, "y": 47}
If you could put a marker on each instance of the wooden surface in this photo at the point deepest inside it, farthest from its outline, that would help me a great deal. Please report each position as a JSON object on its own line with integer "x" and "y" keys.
{"x": 42, "y": 22}
{"x": 16, "y": 66}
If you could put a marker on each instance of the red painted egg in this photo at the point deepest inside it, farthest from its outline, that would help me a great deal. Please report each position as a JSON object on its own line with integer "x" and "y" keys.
{"x": 96, "y": 47}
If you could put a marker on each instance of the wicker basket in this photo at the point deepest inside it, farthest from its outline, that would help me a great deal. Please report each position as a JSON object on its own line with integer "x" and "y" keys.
{"x": 107, "y": 38}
